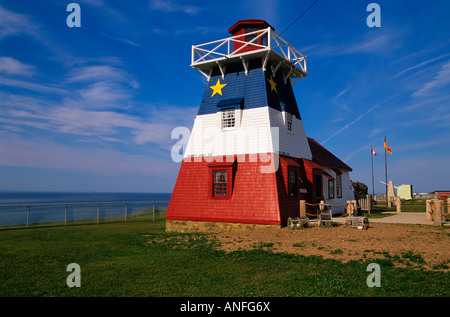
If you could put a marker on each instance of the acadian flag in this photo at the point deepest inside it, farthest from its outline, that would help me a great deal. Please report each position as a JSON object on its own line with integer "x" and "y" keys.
{"x": 387, "y": 147}
{"x": 373, "y": 152}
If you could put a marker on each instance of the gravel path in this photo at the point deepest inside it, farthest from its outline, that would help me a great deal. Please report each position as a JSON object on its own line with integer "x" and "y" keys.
{"x": 419, "y": 218}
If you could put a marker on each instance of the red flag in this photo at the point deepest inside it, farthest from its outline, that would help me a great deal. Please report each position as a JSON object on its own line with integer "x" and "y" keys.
{"x": 387, "y": 147}
{"x": 373, "y": 152}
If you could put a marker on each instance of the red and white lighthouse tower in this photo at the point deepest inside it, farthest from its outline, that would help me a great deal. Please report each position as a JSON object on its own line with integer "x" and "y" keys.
{"x": 248, "y": 159}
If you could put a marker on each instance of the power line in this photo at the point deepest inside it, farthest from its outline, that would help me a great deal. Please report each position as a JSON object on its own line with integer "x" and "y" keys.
{"x": 304, "y": 12}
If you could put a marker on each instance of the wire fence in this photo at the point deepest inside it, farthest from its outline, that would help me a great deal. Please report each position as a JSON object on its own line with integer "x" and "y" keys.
{"x": 62, "y": 214}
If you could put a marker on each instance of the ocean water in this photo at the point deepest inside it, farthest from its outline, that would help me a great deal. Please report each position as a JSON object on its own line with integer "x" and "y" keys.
{"x": 80, "y": 206}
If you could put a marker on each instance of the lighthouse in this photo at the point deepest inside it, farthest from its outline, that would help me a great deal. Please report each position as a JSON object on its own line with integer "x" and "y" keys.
{"x": 248, "y": 161}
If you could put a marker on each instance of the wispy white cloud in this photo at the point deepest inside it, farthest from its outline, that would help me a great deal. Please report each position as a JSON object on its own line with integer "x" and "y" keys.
{"x": 348, "y": 125}
{"x": 365, "y": 147}
{"x": 104, "y": 125}
{"x": 12, "y": 23}
{"x": 120, "y": 39}
{"x": 101, "y": 86}
{"x": 423, "y": 104}
{"x": 12, "y": 66}
{"x": 371, "y": 43}
{"x": 341, "y": 93}
{"x": 92, "y": 100}
{"x": 440, "y": 117}
{"x": 96, "y": 73}
{"x": 421, "y": 65}
{"x": 30, "y": 85}
{"x": 44, "y": 153}
{"x": 338, "y": 99}
{"x": 374, "y": 132}
{"x": 440, "y": 81}
{"x": 436, "y": 142}
{"x": 109, "y": 10}
{"x": 169, "y": 6}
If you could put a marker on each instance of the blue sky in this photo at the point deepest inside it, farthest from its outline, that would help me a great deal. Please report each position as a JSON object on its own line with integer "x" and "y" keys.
{"x": 92, "y": 108}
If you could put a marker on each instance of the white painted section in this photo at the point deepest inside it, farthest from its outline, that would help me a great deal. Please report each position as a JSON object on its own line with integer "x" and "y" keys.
{"x": 292, "y": 143}
{"x": 251, "y": 135}
{"x": 347, "y": 191}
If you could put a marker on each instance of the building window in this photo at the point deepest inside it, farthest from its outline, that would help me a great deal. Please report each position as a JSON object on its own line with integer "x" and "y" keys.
{"x": 293, "y": 183}
{"x": 228, "y": 118}
{"x": 339, "y": 185}
{"x": 289, "y": 121}
{"x": 220, "y": 188}
{"x": 250, "y": 37}
{"x": 330, "y": 189}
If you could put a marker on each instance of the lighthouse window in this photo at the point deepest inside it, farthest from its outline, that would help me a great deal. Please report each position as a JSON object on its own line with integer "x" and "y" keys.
{"x": 289, "y": 121}
{"x": 220, "y": 183}
{"x": 228, "y": 118}
{"x": 250, "y": 37}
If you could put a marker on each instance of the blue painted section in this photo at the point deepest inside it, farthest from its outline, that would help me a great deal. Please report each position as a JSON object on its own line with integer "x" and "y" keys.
{"x": 239, "y": 86}
{"x": 248, "y": 91}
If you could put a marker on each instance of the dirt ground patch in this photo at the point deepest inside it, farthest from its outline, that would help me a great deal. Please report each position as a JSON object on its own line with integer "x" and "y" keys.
{"x": 413, "y": 246}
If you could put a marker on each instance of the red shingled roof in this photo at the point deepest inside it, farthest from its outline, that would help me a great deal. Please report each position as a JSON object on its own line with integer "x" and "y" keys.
{"x": 324, "y": 157}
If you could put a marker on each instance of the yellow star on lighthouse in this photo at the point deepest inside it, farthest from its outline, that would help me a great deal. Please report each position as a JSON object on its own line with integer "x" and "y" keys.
{"x": 273, "y": 84}
{"x": 217, "y": 88}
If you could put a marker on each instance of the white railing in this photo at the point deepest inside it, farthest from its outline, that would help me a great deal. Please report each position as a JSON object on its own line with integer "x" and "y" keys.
{"x": 224, "y": 48}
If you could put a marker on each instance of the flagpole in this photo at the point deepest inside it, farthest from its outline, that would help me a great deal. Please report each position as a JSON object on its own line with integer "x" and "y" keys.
{"x": 371, "y": 158}
{"x": 385, "y": 172}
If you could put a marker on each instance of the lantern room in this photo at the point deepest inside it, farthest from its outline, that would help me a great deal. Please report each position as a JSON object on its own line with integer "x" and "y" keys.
{"x": 249, "y": 30}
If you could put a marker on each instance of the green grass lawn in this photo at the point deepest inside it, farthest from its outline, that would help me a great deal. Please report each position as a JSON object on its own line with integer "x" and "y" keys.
{"x": 407, "y": 206}
{"x": 380, "y": 209}
{"x": 141, "y": 259}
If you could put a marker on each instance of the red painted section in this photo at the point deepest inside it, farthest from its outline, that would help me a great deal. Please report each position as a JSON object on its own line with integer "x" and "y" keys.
{"x": 290, "y": 206}
{"x": 253, "y": 197}
{"x": 245, "y": 26}
{"x": 309, "y": 169}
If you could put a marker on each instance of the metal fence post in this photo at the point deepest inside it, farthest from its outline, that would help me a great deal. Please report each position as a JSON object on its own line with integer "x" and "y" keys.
{"x": 28, "y": 215}
{"x": 153, "y": 219}
{"x": 65, "y": 215}
{"x": 98, "y": 211}
{"x": 125, "y": 212}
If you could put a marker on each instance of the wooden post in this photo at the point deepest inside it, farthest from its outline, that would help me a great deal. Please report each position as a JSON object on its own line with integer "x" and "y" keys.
{"x": 349, "y": 208}
{"x": 448, "y": 205}
{"x": 354, "y": 208}
{"x": 369, "y": 203}
{"x": 429, "y": 210}
{"x": 437, "y": 211}
{"x": 322, "y": 205}
{"x": 399, "y": 204}
{"x": 302, "y": 208}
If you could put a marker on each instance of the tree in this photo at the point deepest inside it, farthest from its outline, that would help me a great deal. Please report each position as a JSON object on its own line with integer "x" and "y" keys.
{"x": 359, "y": 189}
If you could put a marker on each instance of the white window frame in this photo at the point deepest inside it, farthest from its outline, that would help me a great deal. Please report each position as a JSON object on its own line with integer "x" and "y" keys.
{"x": 289, "y": 122}
{"x": 226, "y": 121}
{"x": 288, "y": 118}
